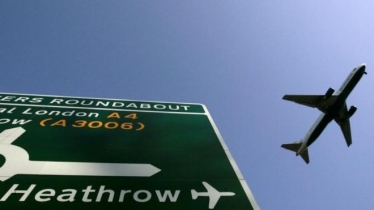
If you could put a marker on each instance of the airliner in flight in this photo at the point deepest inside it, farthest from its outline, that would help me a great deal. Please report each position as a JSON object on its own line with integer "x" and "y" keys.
{"x": 333, "y": 107}
{"x": 213, "y": 194}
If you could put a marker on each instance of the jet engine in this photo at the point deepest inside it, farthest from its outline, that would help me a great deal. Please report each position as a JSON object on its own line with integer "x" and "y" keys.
{"x": 351, "y": 111}
{"x": 329, "y": 93}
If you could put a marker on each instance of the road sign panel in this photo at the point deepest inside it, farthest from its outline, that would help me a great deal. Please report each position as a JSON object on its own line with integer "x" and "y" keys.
{"x": 73, "y": 153}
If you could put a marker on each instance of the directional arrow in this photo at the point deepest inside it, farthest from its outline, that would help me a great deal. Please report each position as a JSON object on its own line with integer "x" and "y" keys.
{"x": 17, "y": 162}
{"x": 9, "y": 135}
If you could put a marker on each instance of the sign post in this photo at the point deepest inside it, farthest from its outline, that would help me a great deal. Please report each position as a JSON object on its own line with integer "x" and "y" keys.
{"x": 74, "y": 153}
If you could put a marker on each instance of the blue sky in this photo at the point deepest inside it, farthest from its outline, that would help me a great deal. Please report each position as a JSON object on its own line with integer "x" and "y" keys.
{"x": 237, "y": 57}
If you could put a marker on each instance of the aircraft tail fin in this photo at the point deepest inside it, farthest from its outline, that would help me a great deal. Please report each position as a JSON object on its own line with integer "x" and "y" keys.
{"x": 194, "y": 194}
{"x": 295, "y": 148}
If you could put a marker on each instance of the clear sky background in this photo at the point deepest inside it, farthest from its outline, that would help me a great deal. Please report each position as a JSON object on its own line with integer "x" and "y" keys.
{"x": 237, "y": 57}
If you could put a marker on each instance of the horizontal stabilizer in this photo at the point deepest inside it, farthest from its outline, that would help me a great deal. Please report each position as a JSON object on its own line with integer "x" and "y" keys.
{"x": 292, "y": 146}
{"x": 295, "y": 148}
{"x": 305, "y": 156}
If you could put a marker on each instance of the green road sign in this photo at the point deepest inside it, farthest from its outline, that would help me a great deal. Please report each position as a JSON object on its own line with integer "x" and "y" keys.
{"x": 83, "y": 153}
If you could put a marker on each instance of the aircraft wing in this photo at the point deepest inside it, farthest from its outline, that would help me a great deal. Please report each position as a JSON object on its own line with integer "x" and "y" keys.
{"x": 307, "y": 100}
{"x": 344, "y": 124}
{"x": 213, "y": 195}
{"x": 322, "y": 102}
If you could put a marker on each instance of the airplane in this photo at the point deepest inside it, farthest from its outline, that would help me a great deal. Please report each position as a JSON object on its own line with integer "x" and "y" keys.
{"x": 213, "y": 194}
{"x": 333, "y": 107}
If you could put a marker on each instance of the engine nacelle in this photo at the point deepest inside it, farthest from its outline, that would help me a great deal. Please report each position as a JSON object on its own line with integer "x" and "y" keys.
{"x": 351, "y": 111}
{"x": 329, "y": 93}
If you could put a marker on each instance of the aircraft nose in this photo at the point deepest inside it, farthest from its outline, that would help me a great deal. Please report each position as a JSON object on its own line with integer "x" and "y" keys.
{"x": 362, "y": 68}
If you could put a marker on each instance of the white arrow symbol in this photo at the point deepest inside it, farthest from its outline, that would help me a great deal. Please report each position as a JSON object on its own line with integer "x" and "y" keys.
{"x": 17, "y": 162}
